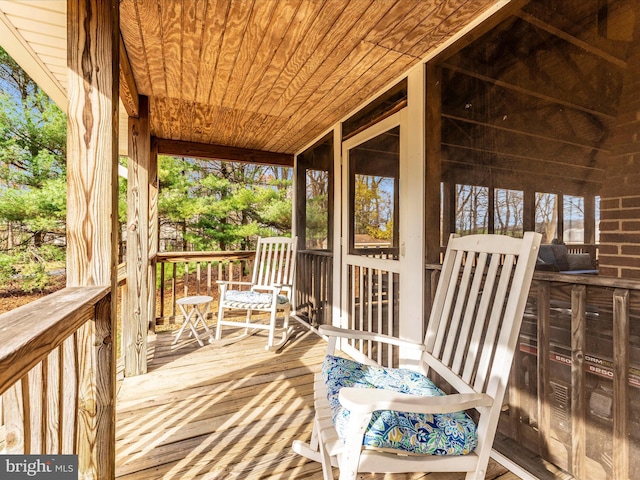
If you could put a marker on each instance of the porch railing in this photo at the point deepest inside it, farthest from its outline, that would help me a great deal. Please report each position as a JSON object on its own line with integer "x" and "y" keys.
{"x": 57, "y": 394}
{"x": 574, "y": 391}
{"x": 195, "y": 273}
{"x": 314, "y": 286}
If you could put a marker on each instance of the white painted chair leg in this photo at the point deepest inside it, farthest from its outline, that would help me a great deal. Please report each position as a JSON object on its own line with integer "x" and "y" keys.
{"x": 325, "y": 460}
{"x": 220, "y": 320}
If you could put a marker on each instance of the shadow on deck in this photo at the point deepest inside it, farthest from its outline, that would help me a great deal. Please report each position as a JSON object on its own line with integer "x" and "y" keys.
{"x": 225, "y": 412}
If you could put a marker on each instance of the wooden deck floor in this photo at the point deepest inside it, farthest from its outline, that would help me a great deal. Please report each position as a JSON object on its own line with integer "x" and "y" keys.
{"x": 227, "y": 412}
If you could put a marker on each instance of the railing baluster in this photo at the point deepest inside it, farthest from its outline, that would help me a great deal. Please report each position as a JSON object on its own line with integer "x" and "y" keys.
{"x": 52, "y": 403}
{"x": 173, "y": 290}
{"x": 380, "y": 358}
{"x": 198, "y": 277}
{"x": 35, "y": 400}
{"x": 162, "y": 270}
{"x": 578, "y": 400}
{"x": 621, "y": 384}
{"x": 186, "y": 279}
{"x": 544, "y": 348}
{"x": 369, "y": 327}
{"x": 69, "y": 385}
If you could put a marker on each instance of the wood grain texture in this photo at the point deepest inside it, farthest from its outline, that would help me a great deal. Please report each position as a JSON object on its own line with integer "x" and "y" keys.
{"x": 25, "y": 342}
{"x": 93, "y": 40}
{"x": 621, "y": 440}
{"x": 135, "y": 321}
{"x": 263, "y": 74}
{"x": 226, "y": 412}
{"x": 13, "y": 417}
{"x": 202, "y": 150}
{"x": 128, "y": 89}
{"x": 93, "y": 50}
{"x": 578, "y": 394}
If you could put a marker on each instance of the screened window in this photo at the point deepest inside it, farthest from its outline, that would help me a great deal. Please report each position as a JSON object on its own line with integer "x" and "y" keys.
{"x": 546, "y": 211}
{"x": 374, "y": 181}
{"x": 472, "y": 209}
{"x": 317, "y": 209}
{"x": 573, "y": 219}
{"x": 508, "y": 212}
{"x": 314, "y": 204}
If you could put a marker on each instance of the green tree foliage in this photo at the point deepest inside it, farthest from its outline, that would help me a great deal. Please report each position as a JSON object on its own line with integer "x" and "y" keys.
{"x": 373, "y": 207}
{"x": 203, "y": 205}
{"x": 32, "y": 176}
{"x": 216, "y": 205}
{"x": 317, "y": 208}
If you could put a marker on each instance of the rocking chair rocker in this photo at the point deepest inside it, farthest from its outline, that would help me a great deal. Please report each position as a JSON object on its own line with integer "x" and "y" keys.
{"x": 270, "y": 290}
{"x": 383, "y": 420}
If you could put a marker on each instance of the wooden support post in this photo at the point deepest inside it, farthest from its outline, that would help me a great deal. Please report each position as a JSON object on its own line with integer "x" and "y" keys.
{"x": 135, "y": 322}
{"x": 412, "y": 247}
{"x": 153, "y": 235}
{"x": 529, "y": 210}
{"x": 621, "y": 384}
{"x": 578, "y": 393}
{"x": 433, "y": 173}
{"x": 544, "y": 344}
{"x": 93, "y": 36}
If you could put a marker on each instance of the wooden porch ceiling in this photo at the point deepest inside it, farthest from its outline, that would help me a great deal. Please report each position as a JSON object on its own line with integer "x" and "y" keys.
{"x": 273, "y": 75}
{"x": 266, "y": 75}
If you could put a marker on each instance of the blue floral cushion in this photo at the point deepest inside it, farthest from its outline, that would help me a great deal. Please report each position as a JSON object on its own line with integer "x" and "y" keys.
{"x": 439, "y": 434}
{"x": 255, "y": 298}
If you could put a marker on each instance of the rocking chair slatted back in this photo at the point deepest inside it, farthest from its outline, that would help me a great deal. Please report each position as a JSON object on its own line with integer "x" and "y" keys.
{"x": 465, "y": 327}
{"x": 270, "y": 290}
{"x": 274, "y": 262}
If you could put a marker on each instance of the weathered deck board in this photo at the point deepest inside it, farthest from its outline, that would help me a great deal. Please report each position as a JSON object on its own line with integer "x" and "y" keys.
{"x": 225, "y": 412}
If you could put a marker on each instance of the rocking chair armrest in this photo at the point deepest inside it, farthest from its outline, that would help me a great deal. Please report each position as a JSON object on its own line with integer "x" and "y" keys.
{"x": 332, "y": 331}
{"x": 276, "y": 287}
{"x": 230, "y": 282}
{"x": 368, "y": 400}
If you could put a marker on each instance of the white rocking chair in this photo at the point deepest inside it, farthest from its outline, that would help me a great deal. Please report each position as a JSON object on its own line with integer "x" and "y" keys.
{"x": 396, "y": 420}
{"x": 270, "y": 290}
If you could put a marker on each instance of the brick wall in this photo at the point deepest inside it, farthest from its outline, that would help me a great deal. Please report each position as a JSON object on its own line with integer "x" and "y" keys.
{"x": 620, "y": 197}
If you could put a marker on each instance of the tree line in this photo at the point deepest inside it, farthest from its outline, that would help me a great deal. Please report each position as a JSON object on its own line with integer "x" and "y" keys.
{"x": 203, "y": 204}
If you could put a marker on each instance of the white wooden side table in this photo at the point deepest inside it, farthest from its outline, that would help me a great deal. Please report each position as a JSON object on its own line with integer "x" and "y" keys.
{"x": 194, "y": 309}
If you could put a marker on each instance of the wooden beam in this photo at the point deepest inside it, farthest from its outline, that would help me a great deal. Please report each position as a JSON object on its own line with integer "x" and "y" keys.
{"x": 128, "y": 88}
{"x": 222, "y": 152}
{"x": 591, "y": 45}
{"x": 621, "y": 321}
{"x": 551, "y": 137}
{"x": 433, "y": 159}
{"x": 135, "y": 322}
{"x": 512, "y": 7}
{"x": 526, "y": 91}
{"x": 92, "y": 218}
{"x": 153, "y": 238}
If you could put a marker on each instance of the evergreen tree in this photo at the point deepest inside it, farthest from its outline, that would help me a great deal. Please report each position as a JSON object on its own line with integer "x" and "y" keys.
{"x": 32, "y": 175}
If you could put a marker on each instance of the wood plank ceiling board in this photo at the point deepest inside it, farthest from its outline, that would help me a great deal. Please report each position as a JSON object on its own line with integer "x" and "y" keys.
{"x": 443, "y": 31}
{"x": 345, "y": 35}
{"x": 343, "y": 48}
{"x": 135, "y": 47}
{"x": 282, "y": 17}
{"x": 287, "y": 48}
